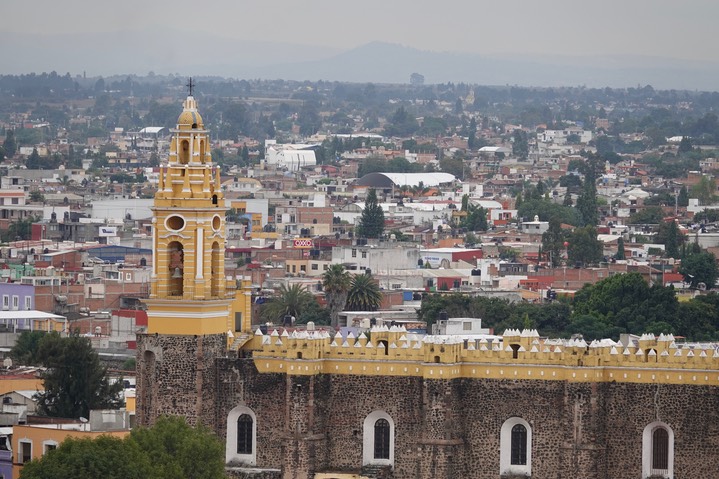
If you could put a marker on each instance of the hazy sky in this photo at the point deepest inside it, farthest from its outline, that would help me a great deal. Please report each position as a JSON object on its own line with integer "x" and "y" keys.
{"x": 557, "y": 27}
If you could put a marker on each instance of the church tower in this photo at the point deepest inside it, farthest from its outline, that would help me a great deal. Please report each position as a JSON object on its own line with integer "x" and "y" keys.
{"x": 188, "y": 293}
{"x": 189, "y": 309}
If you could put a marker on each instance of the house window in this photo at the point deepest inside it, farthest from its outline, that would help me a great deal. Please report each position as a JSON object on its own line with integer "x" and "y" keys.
{"x": 25, "y": 453}
{"x": 315, "y": 266}
{"x": 515, "y": 454}
{"x": 15, "y": 302}
{"x": 381, "y": 439}
{"x": 5, "y": 301}
{"x": 128, "y": 276}
{"x": 28, "y": 302}
{"x": 241, "y": 445}
{"x": 364, "y": 254}
{"x": 244, "y": 434}
{"x": 658, "y": 451}
{"x": 354, "y": 253}
{"x": 378, "y": 439}
{"x": 48, "y": 446}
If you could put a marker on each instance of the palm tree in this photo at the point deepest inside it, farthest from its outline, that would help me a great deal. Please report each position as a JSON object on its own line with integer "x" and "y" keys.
{"x": 289, "y": 301}
{"x": 364, "y": 294}
{"x": 336, "y": 283}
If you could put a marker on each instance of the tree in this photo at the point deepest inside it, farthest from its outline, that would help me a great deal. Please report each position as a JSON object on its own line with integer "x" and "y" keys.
{"x": 620, "y": 249}
{"x": 25, "y": 350}
{"x": 587, "y": 202}
{"x": 33, "y": 161}
{"x": 651, "y": 215}
{"x": 627, "y": 302}
{"x": 371, "y": 223}
{"x": 336, "y": 282}
{"x": 683, "y": 199}
{"x": 520, "y": 144}
{"x": 107, "y": 457}
{"x": 553, "y": 242}
{"x": 700, "y": 268}
{"x": 36, "y": 196}
{"x": 364, "y": 294}
{"x": 584, "y": 247}
{"x": 75, "y": 381}
{"x": 685, "y": 145}
{"x": 454, "y": 166}
{"x": 670, "y": 236}
{"x": 9, "y": 144}
{"x": 704, "y": 190}
{"x": 171, "y": 449}
{"x": 289, "y": 301}
{"x": 178, "y": 450}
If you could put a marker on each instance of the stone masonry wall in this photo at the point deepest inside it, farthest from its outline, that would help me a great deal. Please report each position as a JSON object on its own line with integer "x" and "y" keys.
{"x": 177, "y": 376}
{"x": 451, "y": 428}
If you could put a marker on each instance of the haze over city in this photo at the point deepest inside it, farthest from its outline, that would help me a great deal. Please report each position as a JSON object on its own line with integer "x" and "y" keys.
{"x": 553, "y": 43}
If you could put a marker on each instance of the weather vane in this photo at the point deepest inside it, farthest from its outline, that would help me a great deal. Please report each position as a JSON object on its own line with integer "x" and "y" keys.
{"x": 190, "y": 85}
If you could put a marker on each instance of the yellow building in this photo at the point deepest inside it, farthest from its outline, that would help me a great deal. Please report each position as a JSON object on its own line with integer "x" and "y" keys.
{"x": 190, "y": 294}
{"x": 34, "y": 441}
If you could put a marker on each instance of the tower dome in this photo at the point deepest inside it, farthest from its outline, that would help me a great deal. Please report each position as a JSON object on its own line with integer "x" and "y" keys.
{"x": 190, "y": 118}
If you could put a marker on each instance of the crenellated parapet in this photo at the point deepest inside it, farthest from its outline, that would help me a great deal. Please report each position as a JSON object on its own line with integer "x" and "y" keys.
{"x": 514, "y": 355}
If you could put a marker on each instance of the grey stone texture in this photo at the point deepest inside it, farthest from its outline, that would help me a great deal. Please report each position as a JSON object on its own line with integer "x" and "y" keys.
{"x": 443, "y": 428}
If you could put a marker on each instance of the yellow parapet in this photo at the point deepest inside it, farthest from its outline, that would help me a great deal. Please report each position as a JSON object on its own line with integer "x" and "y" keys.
{"x": 395, "y": 352}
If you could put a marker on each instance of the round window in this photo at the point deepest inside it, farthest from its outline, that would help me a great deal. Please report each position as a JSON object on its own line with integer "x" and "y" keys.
{"x": 216, "y": 223}
{"x": 175, "y": 223}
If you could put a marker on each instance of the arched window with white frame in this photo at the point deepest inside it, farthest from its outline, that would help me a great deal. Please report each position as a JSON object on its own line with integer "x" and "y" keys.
{"x": 241, "y": 444}
{"x": 378, "y": 439}
{"x": 515, "y": 450}
{"x": 658, "y": 451}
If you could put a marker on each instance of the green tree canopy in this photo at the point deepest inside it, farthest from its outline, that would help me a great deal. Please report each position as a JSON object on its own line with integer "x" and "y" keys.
{"x": 553, "y": 242}
{"x": 627, "y": 302}
{"x": 336, "y": 282}
{"x": 584, "y": 247}
{"x": 364, "y": 294}
{"x": 648, "y": 216}
{"x": 371, "y": 223}
{"x": 171, "y": 449}
{"x": 24, "y": 352}
{"x": 292, "y": 300}
{"x": 75, "y": 381}
{"x": 107, "y": 457}
{"x": 700, "y": 268}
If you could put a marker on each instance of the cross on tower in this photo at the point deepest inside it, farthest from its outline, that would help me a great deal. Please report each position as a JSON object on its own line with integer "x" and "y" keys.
{"x": 190, "y": 85}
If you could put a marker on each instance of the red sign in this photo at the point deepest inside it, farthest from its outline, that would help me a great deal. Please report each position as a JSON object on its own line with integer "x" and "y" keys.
{"x": 303, "y": 243}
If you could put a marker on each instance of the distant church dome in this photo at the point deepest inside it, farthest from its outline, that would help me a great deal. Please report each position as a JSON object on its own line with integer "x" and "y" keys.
{"x": 190, "y": 118}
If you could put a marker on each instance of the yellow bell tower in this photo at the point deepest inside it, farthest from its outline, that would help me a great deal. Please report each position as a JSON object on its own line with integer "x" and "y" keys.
{"x": 188, "y": 291}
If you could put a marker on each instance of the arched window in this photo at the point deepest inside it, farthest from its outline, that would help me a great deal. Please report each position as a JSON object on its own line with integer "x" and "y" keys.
{"x": 658, "y": 451}
{"x": 518, "y": 453}
{"x": 378, "y": 439}
{"x": 515, "y": 453}
{"x": 244, "y": 434}
{"x": 381, "y": 439}
{"x": 241, "y": 444}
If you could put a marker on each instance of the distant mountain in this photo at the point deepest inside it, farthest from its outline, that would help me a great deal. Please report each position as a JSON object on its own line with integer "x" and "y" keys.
{"x": 391, "y": 63}
{"x": 169, "y": 51}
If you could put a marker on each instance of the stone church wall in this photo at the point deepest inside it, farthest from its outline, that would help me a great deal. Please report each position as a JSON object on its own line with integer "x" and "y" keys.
{"x": 451, "y": 428}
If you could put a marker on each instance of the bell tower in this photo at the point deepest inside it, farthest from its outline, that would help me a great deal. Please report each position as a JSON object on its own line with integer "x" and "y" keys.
{"x": 188, "y": 291}
{"x": 190, "y": 306}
